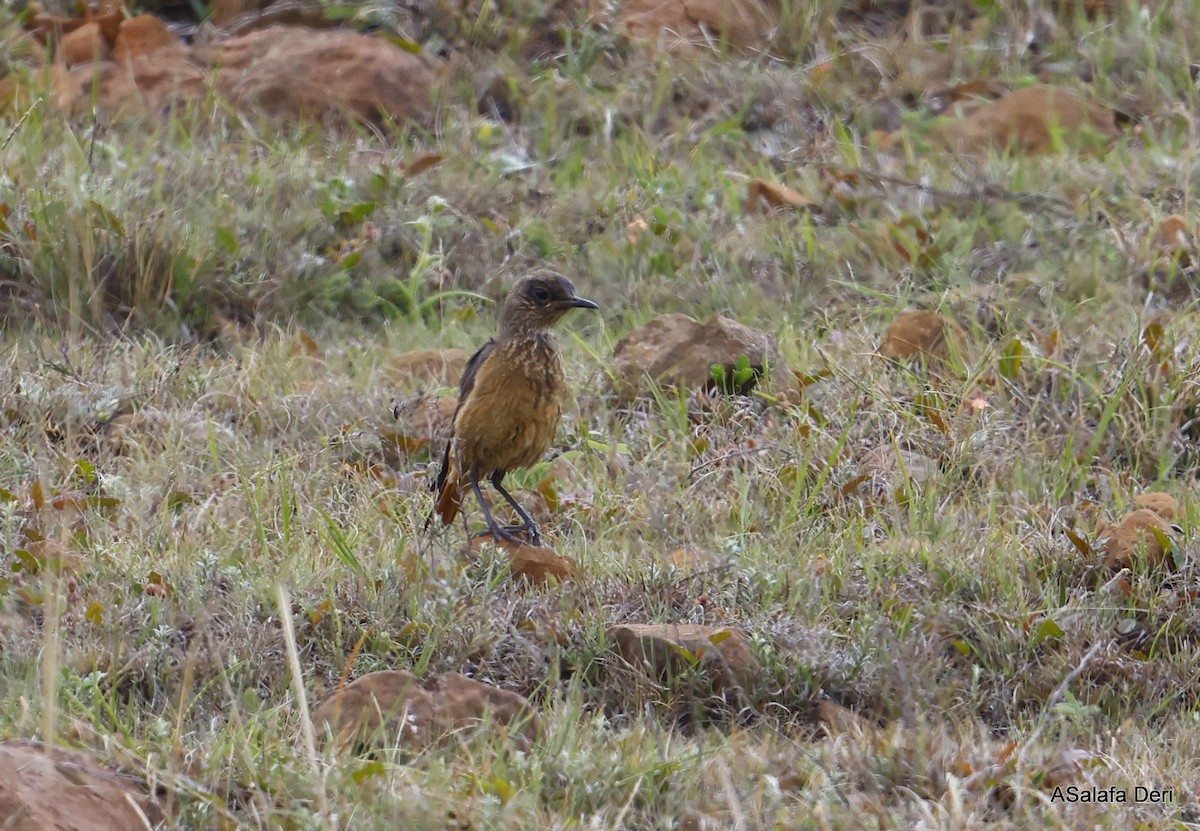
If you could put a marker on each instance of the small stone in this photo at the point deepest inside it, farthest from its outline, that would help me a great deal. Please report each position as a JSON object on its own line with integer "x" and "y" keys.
{"x": 82, "y": 45}
{"x": 678, "y": 351}
{"x": 141, "y": 35}
{"x": 53, "y": 789}
{"x": 394, "y": 708}
{"x": 443, "y": 367}
{"x": 923, "y": 334}
{"x": 658, "y": 649}
{"x": 1139, "y": 535}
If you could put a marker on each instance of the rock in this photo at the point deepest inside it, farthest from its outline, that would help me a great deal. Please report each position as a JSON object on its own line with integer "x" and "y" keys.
{"x": 53, "y": 789}
{"x": 154, "y": 82}
{"x": 394, "y": 708}
{"x": 428, "y": 419}
{"x": 442, "y": 367}
{"x": 1163, "y": 504}
{"x": 690, "y": 26}
{"x": 924, "y": 335}
{"x": 725, "y": 654}
{"x": 286, "y": 72}
{"x": 108, "y": 15}
{"x": 532, "y": 564}
{"x": 885, "y": 472}
{"x": 82, "y": 45}
{"x": 1138, "y": 536}
{"x": 678, "y": 351}
{"x": 1031, "y": 120}
{"x": 290, "y": 71}
{"x": 537, "y": 564}
{"x": 140, "y": 35}
{"x": 841, "y": 721}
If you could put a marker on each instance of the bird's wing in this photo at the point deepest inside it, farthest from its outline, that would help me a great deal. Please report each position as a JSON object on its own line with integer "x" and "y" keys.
{"x": 464, "y": 390}
{"x": 471, "y": 369}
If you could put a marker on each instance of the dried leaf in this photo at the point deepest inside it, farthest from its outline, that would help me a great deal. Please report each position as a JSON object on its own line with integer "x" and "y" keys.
{"x": 423, "y": 163}
{"x": 776, "y": 197}
{"x": 1081, "y": 544}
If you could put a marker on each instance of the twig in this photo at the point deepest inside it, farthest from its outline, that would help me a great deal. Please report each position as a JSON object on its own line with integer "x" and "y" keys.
{"x": 1058, "y": 693}
{"x": 976, "y": 194}
{"x": 20, "y": 121}
{"x": 306, "y": 726}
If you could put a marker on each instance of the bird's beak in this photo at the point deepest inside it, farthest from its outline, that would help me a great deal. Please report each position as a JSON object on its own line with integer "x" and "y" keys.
{"x": 580, "y": 303}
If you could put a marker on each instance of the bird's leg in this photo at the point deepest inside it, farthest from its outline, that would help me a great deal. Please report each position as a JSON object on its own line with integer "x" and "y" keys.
{"x": 497, "y": 532}
{"x": 527, "y": 523}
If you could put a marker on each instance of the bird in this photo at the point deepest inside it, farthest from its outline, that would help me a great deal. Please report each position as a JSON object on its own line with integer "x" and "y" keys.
{"x": 510, "y": 399}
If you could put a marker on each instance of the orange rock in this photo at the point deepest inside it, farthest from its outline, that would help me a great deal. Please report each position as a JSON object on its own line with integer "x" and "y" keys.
{"x": 537, "y": 564}
{"x": 429, "y": 418}
{"x": 841, "y": 721}
{"x": 691, "y": 25}
{"x": 663, "y": 650}
{"x": 1030, "y": 119}
{"x": 678, "y": 351}
{"x": 227, "y": 11}
{"x": 1163, "y": 504}
{"x": 283, "y": 71}
{"x": 443, "y": 367}
{"x": 50, "y": 788}
{"x": 1139, "y": 535}
{"x": 1174, "y": 237}
{"x": 290, "y": 72}
{"x": 82, "y": 45}
{"x": 923, "y": 334}
{"x": 393, "y": 707}
{"x": 141, "y": 35}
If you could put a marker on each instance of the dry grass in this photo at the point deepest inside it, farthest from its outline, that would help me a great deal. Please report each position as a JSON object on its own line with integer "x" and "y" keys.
{"x": 893, "y": 540}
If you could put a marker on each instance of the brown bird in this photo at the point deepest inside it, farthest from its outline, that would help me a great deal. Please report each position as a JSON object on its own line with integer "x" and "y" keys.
{"x": 509, "y": 401}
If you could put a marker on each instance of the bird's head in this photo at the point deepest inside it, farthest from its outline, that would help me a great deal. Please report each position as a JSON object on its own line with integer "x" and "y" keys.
{"x": 537, "y": 301}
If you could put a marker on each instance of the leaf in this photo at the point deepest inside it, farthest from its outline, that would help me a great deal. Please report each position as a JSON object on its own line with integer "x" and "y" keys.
{"x": 1126, "y": 625}
{"x": 805, "y": 380}
{"x": 1047, "y": 630}
{"x": 107, "y": 217}
{"x": 1081, "y": 545}
{"x": 37, "y": 496}
{"x": 227, "y": 239}
{"x": 176, "y": 499}
{"x": 355, "y": 214}
{"x": 1011, "y": 359}
{"x": 718, "y": 637}
{"x": 85, "y": 470}
{"x": 852, "y": 485}
{"x": 423, "y": 163}
{"x": 95, "y": 612}
{"x": 370, "y": 770}
{"x": 26, "y": 562}
{"x": 308, "y": 343}
{"x": 776, "y": 197}
{"x": 318, "y": 614}
{"x": 407, "y": 44}
{"x": 689, "y": 656}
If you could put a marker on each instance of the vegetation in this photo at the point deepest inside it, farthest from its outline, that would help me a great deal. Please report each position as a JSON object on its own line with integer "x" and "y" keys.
{"x": 198, "y": 408}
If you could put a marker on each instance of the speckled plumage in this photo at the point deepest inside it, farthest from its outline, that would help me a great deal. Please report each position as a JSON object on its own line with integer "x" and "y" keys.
{"x": 511, "y": 395}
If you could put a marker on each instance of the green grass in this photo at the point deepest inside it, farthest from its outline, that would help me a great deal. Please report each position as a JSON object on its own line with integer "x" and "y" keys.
{"x": 886, "y": 546}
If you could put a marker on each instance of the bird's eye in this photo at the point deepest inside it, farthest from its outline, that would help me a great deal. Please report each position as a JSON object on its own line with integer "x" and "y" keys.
{"x": 541, "y": 294}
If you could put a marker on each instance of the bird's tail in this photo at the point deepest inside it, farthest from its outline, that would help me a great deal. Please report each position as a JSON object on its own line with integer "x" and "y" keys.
{"x": 449, "y": 500}
{"x": 448, "y": 487}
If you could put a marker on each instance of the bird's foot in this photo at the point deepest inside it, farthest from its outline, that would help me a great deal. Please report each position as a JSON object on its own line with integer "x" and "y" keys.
{"x": 514, "y": 534}
{"x": 529, "y": 531}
